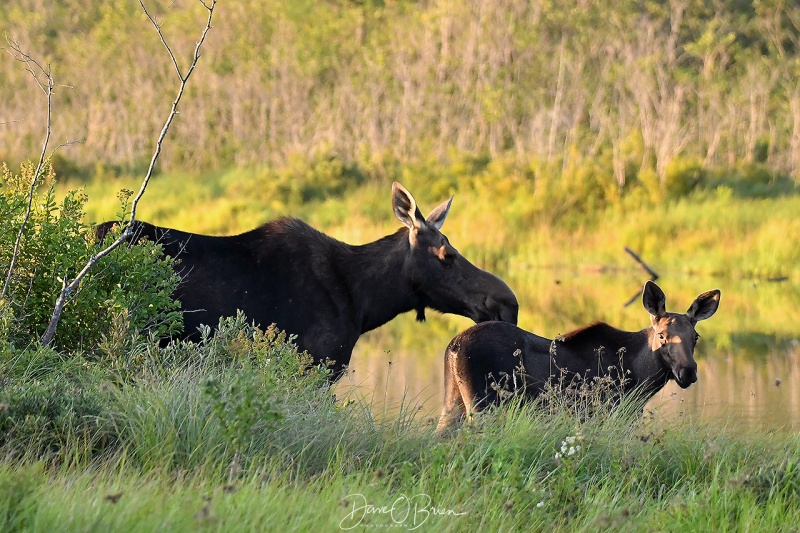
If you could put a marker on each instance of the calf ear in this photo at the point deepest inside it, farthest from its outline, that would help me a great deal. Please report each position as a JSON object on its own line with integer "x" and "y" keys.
{"x": 654, "y": 300}
{"x": 704, "y": 305}
{"x": 437, "y": 216}
{"x": 405, "y": 208}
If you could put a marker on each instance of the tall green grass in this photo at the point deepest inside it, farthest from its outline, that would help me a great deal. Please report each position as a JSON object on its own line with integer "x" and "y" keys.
{"x": 500, "y": 473}
{"x": 237, "y": 433}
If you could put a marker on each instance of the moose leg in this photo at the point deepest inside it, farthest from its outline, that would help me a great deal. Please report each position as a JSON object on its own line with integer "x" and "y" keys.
{"x": 454, "y": 409}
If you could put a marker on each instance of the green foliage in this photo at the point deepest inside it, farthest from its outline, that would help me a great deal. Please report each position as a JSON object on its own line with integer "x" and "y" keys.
{"x": 231, "y": 392}
{"x": 304, "y": 180}
{"x": 43, "y": 418}
{"x": 257, "y": 364}
{"x": 223, "y": 397}
{"x": 134, "y": 282}
{"x": 50, "y": 406}
{"x": 18, "y": 485}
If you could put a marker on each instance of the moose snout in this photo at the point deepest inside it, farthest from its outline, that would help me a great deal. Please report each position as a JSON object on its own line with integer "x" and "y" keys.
{"x": 686, "y": 375}
{"x": 509, "y": 312}
{"x": 504, "y": 310}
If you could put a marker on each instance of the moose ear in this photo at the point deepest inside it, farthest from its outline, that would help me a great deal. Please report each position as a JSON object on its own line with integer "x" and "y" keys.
{"x": 654, "y": 300}
{"x": 437, "y": 216}
{"x": 704, "y": 305}
{"x": 405, "y": 208}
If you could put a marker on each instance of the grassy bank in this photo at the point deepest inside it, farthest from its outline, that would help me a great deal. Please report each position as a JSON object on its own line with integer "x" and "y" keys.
{"x": 500, "y": 476}
{"x": 234, "y": 434}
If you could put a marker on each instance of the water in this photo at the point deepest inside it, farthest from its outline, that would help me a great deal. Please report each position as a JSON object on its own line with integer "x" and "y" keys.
{"x": 748, "y": 356}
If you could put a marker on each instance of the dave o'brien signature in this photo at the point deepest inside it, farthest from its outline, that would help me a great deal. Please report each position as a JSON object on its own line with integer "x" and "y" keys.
{"x": 409, "y": 512}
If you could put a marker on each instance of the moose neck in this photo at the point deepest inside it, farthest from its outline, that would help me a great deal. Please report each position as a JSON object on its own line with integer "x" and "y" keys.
{"x": 625, "y": 351}
{"x": 374, "y": 275}
{"x": 647, "y": 371}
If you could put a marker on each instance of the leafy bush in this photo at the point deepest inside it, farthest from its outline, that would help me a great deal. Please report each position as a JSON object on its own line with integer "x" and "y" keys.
{"x": 136, "y": 282}
{"x": 262, "y": 377}
{"x": 232, "y": 392}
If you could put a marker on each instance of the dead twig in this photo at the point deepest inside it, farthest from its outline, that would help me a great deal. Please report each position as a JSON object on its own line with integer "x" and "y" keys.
{"x": 653, "y": 275}
{"x": 62, "y": 145}
{"x": 645, "y": 266}
{"x": 70, "y": 288}
{"x": 44, "y": 80}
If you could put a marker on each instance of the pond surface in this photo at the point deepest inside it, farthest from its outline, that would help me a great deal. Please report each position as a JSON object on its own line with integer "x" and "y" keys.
{"x": 748, "y": 355}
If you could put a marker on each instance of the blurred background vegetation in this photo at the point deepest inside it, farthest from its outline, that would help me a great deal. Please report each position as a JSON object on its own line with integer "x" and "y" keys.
{"x": 576, "y": 94}
{"x": 566, "y": 130}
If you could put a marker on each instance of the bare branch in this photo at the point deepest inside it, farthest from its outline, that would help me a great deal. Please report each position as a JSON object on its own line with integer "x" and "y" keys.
{"x": 71, "y": 287}
{"x": 653, "y": 275}
{"x": 173, "y": 112}
{"x": 62, "y": 145}
{"x": 34, "y": 68}
{"x": 163, "y": 40}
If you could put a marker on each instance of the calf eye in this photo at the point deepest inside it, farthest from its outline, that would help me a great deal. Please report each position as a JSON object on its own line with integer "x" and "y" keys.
{"x": 661, "y": 336}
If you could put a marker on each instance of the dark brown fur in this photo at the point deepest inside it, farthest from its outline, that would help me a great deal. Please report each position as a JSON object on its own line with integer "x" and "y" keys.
{"x": 492, "y": 361}
{"x": 325, "y": 291}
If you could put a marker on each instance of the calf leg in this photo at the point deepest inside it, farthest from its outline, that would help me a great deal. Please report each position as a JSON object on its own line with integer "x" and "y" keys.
{"x": 454, "y": 408}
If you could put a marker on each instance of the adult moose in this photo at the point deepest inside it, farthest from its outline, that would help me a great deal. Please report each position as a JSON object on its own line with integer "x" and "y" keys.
{"x": 484, "y": 359}
{"x": 325, "y": 291}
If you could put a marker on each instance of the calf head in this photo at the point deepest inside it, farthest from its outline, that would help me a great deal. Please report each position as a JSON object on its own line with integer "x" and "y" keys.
{"x": 440, "y": 277}
{"x": 673, "y": 336}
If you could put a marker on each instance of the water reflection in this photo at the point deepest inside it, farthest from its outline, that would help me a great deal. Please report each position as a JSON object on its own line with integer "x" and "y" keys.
{"x": 761, "y": 392}
{"x": 748, "y": 357}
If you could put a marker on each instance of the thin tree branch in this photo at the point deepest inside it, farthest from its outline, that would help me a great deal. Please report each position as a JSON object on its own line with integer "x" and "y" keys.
{"x": 163, "y": 40}
{"x": 30, "y": 65}
{"x": 645, "y": 266}
{"x": 68, "y": 289}
{"x": 653, "y": 275}
{"x": 173, "y": 111}
{"x": 62, "y": 145}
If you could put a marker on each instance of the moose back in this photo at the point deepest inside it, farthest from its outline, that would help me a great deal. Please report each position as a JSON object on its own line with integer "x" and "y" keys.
{"x": 482, "y": 361}
{"x": 325, "y": 291}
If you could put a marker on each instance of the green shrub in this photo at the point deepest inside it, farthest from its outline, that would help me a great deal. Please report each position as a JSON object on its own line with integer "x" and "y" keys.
{"x": 231, "y": 393}
{"x": 51, "y": 408}
{"x": 683, "y": 175}
{"x": 135, "y": 281}
{"x": 261, "y": 374}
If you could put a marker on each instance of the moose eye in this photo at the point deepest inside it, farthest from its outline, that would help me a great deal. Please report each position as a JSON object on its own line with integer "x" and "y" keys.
{"x": 696, "y": 337}
{"x": 661, "y": 336}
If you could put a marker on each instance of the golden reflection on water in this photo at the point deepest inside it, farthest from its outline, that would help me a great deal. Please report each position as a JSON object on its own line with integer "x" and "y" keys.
{"x": 763, "y": 394}
{"x": 748, "y": 356}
